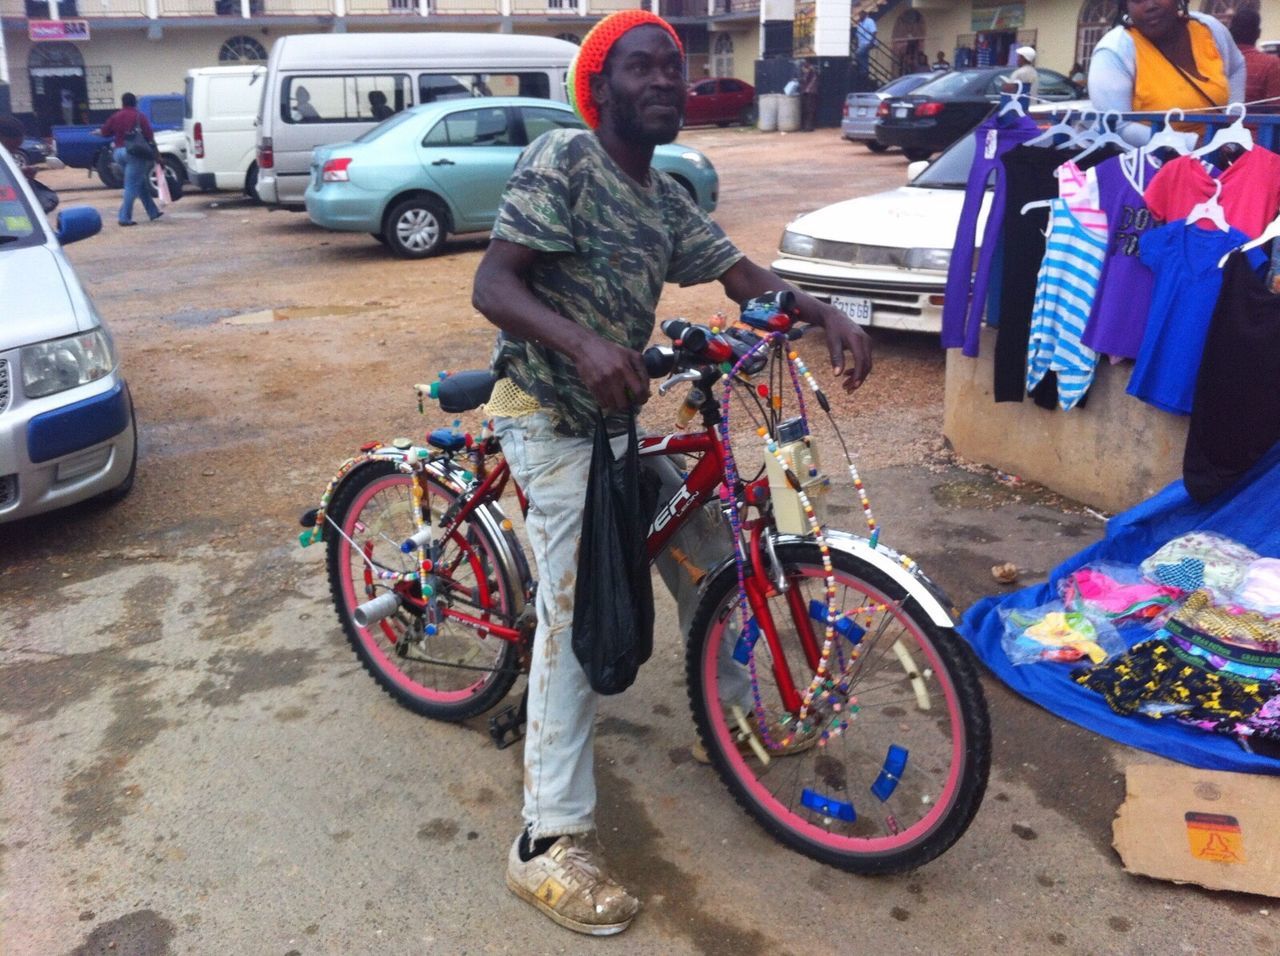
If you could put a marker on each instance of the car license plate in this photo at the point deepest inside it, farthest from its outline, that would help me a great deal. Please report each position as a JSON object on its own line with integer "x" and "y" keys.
{"x": 857, "y": 309}
{"x": 862, "y": 111}
{"x": 902, "y": 112}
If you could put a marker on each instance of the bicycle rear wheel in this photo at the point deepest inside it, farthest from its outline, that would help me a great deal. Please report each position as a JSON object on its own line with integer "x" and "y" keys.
{"x": 457, "y": 672}
{"x": 902, "y": 781}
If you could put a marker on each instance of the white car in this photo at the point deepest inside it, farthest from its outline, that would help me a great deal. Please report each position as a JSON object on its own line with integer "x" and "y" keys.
{"x": 882, "y": 259}
{"x": 67, "y": 430}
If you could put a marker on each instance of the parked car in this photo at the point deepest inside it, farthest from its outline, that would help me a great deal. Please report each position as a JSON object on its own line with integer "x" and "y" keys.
{"x": 883, "y": 259}
{"x": 721, "y": 101}
{"x": 81, "y": 148}
{"x": 440, "y": 168}
{"x": 935, "y": 115}
{"x": 32, "y": 152}
{"x": 67, "y": 429}
{"x": 859, "y": 121}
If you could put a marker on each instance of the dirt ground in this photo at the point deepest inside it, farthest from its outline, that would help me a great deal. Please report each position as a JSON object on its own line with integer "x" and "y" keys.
{"x": 193, "y": 763}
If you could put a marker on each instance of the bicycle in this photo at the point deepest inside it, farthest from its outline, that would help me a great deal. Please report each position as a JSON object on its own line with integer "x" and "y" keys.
{"x": 840, "y": 708}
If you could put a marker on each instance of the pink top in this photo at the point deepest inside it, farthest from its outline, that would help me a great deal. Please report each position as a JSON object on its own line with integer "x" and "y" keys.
{"x": 1250, "y": 189}
{"x": 1080, "y": 190}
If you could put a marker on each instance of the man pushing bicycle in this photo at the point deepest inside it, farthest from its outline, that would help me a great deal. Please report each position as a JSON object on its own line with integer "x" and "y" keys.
{"x": 586, "y": 236}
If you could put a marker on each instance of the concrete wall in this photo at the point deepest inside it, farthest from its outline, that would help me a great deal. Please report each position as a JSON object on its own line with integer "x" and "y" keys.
{"x": 1111, "y": 454}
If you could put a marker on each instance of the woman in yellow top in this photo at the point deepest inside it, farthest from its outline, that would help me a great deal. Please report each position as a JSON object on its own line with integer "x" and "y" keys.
{"x": 1161, "y": 56}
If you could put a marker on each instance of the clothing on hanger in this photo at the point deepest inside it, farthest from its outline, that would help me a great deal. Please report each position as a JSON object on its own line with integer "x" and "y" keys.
{"x": 1250, "y": 189}
{"x": 1124, "y": 292}
{"x": 1029, "y": 175}
{"x": 1235, "y": 414}
{"x": 1184, "y": 258}
{"x": 1065, "y": 288}
{"x": 965, "y": 293}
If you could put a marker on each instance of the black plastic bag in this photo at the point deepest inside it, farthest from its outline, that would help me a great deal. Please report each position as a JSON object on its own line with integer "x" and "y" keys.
{"x": 613, "y": 600}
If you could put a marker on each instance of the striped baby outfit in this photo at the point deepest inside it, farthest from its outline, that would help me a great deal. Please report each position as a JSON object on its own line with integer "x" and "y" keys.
{"x": 1065, "y": 288}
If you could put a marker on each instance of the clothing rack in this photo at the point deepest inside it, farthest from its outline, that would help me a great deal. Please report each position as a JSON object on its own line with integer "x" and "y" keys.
{"x": 1266, "y": 126}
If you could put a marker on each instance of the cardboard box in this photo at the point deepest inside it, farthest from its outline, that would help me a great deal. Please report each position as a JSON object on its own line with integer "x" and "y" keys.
{"x": 1218, "y": 830}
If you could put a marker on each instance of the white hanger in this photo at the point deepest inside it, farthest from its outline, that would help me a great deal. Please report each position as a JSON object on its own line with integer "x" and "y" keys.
{"x": 1210, "y": 209}
{"x": 1036, "y": 204}
{"x": 1060, "y": 128}
{"x": 1169, "y": 137}
{"x": 1271, "y": 232}
{"x": 1108, "y": 137}
{"x": 1014, "y": 105}
{"x": 1234, "y": 134}
{"x": 1085, "y": 133}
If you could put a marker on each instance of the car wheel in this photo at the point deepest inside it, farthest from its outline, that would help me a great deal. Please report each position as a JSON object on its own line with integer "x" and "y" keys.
{"x": 112, "y": 176}
{"x": 876, "y": 146}
{"x": 121, "y": 491}
{"x": 174, "y": 174}
{"x": 415, "y": 228}
{"x": 915, "y": 155}
{"x": 251, "y": 182}
{"x": 748, "y": 115}
{"x": 21, "y": 158}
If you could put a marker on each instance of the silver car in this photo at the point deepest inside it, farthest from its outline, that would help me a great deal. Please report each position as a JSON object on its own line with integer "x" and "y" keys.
{"x": 67, "y": 429}
{"x": 859, "y": 121}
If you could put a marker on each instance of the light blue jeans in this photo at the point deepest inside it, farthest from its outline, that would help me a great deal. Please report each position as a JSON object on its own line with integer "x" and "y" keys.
{"x": 552, "y": 470}
{"x": 135, "y": 184}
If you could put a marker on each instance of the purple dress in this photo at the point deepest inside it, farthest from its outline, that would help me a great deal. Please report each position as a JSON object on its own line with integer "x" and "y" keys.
{"x": 1120, "y": 311}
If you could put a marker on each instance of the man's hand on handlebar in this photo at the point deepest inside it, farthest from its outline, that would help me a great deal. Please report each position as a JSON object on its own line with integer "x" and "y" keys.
{"x": 615, "y": 375}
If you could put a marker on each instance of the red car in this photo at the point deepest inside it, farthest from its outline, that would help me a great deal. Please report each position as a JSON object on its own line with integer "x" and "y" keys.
{"x": 720, "y": 101}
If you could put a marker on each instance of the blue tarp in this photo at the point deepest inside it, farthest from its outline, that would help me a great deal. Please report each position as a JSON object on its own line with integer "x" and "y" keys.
{"x": 1249, "y": 513}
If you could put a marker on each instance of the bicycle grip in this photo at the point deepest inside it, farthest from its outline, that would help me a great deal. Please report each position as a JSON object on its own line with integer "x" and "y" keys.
{"x": 659, "y": 361}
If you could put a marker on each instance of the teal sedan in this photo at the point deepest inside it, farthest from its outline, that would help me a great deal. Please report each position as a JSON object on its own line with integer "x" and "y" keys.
{"x": 440, "y": 168}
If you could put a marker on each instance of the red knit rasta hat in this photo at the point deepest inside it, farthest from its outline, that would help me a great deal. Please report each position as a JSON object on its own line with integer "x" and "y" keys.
{"x": 595, "y": 50}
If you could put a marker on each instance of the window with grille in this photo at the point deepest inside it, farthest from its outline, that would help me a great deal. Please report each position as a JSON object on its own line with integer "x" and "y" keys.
{"x": 1095, "y": 20}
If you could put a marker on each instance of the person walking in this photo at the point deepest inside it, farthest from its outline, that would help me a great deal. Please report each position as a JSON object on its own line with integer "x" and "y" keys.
{"x": 865, "y": 32}
{"x": 1261, "y": 70}
{"x": 808, "y": 97}
{"x": 587, "y": 233}
{"x": 120, "y": 126}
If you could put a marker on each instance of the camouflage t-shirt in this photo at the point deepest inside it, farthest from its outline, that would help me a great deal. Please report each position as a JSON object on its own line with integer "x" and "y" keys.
{"x": 609, "y": 244}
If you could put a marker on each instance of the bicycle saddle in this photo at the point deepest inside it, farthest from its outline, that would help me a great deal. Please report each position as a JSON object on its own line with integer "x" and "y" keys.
{"x": 463, "y": 391}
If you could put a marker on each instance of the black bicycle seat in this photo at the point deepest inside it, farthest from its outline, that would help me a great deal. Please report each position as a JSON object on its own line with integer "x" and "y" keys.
{"x": 463, "y": 391}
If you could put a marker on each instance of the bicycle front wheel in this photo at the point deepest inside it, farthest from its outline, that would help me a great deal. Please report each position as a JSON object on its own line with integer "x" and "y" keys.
{"x": 457, "y": 672}
{"x": 901, "y": 780}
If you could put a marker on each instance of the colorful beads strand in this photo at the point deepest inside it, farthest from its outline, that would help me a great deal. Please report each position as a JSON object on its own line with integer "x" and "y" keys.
{"x": 799, "y": 364}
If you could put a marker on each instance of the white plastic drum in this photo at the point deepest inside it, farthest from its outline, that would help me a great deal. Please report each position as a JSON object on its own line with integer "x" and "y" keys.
{"x": 768, "y": 119}
{"x": 789, "y": 114}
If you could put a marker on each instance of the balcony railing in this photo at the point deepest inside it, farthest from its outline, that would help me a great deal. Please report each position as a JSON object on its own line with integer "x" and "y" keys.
{"x": 92, "y": 9}
{"x": 721, "y": 7}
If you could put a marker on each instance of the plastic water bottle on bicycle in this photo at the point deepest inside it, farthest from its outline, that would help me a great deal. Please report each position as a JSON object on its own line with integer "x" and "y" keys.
{"x": 826, "y": 680}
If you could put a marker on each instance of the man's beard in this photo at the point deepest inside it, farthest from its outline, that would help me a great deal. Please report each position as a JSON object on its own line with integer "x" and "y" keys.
{"x": 629, "y": 125}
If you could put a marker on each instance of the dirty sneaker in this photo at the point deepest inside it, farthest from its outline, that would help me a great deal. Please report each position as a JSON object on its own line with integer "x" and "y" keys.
{"x": 570, "y": 884}
{"x": 799, "y": 743}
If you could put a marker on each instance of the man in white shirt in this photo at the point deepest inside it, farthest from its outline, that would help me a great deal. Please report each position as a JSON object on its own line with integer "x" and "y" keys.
{"x": 866, "y": 37}
{"x": 1025, "y": 74}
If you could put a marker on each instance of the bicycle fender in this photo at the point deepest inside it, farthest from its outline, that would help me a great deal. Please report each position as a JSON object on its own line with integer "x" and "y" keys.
{"x": 917, "y": 585}
{"x": 901, "y": 569}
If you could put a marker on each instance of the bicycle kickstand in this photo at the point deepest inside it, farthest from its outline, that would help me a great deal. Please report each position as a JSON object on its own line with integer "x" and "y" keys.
{"x": 507, "y": 726}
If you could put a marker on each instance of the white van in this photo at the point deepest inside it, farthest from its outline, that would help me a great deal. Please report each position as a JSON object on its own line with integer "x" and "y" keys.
{"x": 331, "y": 87}
{"x": 220, "y": 125}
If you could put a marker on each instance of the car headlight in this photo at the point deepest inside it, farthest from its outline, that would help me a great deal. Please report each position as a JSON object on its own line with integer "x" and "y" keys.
{"x": 695, "y": 157}
{"x": 798, "y": 244}
{"x": 59, "y": 364}
{"x": 935, "y": 260}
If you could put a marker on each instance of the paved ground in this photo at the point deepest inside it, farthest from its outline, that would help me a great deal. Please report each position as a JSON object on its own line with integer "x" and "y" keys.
{"x": 194, "y": 763}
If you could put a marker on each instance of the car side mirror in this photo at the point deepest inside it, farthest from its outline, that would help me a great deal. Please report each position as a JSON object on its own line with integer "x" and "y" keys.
{"x": 78, "y": 222}
{"x": 916, "y": 168}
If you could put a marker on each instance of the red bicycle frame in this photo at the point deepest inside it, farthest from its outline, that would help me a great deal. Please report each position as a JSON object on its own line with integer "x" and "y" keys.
{"x": 700, "y": 486}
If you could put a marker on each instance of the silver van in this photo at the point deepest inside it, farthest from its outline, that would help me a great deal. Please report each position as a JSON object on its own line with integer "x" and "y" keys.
{"x": 331, "y": 87}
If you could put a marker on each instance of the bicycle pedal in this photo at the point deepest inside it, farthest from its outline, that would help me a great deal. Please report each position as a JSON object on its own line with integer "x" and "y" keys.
{"x": 507, "y": 726}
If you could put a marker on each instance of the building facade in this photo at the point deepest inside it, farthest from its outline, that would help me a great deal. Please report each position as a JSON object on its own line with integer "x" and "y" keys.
{"x": 69, "y": 60}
